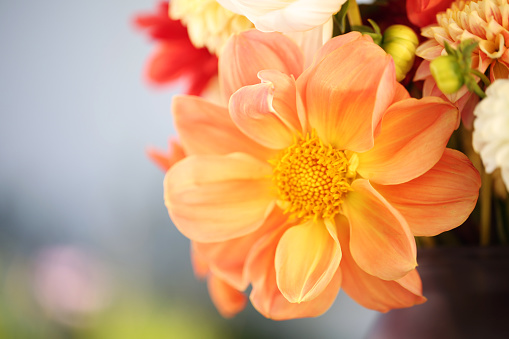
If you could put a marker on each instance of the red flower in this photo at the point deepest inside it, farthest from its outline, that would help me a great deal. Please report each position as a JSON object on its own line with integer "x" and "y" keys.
{"x": 423, "y": 12}
{"x": 175, "y": 57}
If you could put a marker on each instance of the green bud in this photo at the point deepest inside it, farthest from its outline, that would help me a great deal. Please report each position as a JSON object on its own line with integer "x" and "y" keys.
{"x": 400, "y": 42}
{"x": 447, "y": 73}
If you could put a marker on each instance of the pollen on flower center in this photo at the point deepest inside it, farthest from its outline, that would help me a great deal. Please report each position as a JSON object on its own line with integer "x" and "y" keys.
{"x": 311, "y": 178}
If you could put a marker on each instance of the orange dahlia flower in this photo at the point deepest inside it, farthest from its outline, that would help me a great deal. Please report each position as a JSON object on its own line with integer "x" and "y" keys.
{"x": 484, "y": 21}
{"x": 315, "y": 179}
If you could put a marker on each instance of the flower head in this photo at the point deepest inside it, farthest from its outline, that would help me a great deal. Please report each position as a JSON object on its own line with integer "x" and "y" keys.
{"x": 490, "y": 137}
{"x": 285, "y": 16}
{"x": 483, "y": 21}
{"x": 316, "y": 178}
{"x": 175, "y": 57}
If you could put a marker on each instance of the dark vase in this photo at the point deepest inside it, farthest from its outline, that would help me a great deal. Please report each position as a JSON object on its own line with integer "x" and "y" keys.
{"x": 468, "y": 297}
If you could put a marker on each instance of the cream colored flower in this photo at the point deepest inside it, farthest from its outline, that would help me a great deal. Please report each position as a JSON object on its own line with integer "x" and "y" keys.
{"x": 491, "y": 126}
{"x": 285, "y": 15}
{"x": 208, "y": 23}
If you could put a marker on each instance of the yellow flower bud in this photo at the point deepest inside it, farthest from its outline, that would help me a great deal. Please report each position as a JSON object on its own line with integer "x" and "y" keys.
{"x": 400, "y": 42}
{"x": 447, "y": 74}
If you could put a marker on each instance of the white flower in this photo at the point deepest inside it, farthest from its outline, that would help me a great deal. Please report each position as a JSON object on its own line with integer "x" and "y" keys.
{"x": 491, "y": 129}
{"x": 208, "y": 23}
{"x": 285, "y": 15}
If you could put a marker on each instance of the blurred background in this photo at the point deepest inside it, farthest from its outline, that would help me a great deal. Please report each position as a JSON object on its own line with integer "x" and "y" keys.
{"x": 87, "y": 249}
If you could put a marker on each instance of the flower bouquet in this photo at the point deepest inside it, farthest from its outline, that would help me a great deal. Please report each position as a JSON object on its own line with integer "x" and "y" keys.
{"x": 320, "y": 143}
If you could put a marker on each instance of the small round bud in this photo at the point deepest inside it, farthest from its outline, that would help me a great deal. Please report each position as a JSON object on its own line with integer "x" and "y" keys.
{"x": 400, "y": 42}
{"x": 447, "y": 74}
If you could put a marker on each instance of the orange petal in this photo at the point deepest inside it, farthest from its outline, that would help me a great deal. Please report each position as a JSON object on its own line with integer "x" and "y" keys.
{"x": 499, "y": 71}
{"x": 227, "y": 299}
{"x": 412, "y": 139}
{"x": 249, "y": 52}
{"x": 214, "y": 198}
{"x": 285, "y": 97}
{"x": 331, "y": 46}
{"x": 199, "y": 262}
{"x": 400, "y": 93}
{"x": 344, "y": 99}
{"x": 167, "y": 159}
{"x": 380, "y": 240}
{"x": 440, "y": 199}
{"x": 226, "y": 259}
{"x": 307, "y": 257}
{"x": 372, "y": 292}
{"x": 265, "y": 295}
{"x": 252, "y": 111}
{"x": 206, "y": 128}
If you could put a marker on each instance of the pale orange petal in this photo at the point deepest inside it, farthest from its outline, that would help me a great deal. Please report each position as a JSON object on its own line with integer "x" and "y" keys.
{"x": 252, "y": 111}
{"x": 265, "y": 295}
{"x": 307, "y": 258}
{"x": 331, "y": 46}
{"x": 227, "y": 299}
{"x": 226, "y": 259}
{"x": 199, "y": 262}
{"x": 400, "y": 93}
{"x": 249, "y": 52}
{"x": 344, "y": 99}
{"x": 206, "y": 128}
{"x": 285, "y": 97}
{"x": 413, "y": 138}
{"x": 167, "y": 159}
{"x": 423, "y": 72}
{"x": 214, "y": 198}
{"x": 370, "y": 291}
{"x": 440, "y": 199}
{"x": 380, "y": 240}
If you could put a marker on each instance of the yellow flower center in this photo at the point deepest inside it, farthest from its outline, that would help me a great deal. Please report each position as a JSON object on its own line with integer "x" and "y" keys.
{"x": 311, "y": 178}
{"x": 208, "y": 23}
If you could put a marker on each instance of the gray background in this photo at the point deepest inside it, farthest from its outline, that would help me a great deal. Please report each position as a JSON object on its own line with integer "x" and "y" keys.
{"x": 76, "y": 118}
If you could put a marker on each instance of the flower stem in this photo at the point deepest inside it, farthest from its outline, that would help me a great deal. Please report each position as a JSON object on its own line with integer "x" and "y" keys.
{"x": 482, "y": 76}
{"x": 353, "y": 13}
{"x": 485, "y": 209}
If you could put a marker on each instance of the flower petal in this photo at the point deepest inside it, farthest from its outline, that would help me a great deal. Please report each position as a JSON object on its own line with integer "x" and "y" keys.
{"x": 199, "y": 262}
{"x": 413, "y": 138}
{"x": 206, "y": 128}
{"x": 214, "y": 198}
{"x": 307, "y": 258}
{"x": 266, "y": 296}
{"x": 227, "y": 299}
{"x": 344, "y": 99}
{"x": 331, "y": 46}
{"x": 226, "y": 259}
{"x": 312, "y": 40}
{"x": 289, "y": 16}
{"x": 440, "y": 199}
{"x": 252, "y": 108}
{"x": 380, "y": 240}
{"x": 251, "y": 51}
{"x": 285, "y": 16}
{"x": 165, "y": 160}
{"x": 372, "y": 292}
